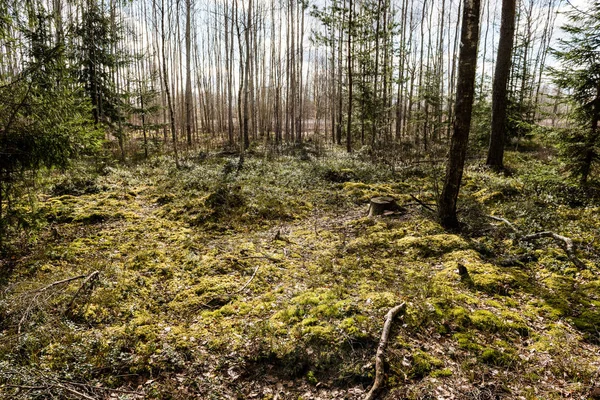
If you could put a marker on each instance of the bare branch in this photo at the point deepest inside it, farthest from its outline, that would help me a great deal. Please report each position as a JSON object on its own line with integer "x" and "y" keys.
{"x": 507, "y": 222}
{"x": 379, "y": 357}
{"x": 565, "y": 242}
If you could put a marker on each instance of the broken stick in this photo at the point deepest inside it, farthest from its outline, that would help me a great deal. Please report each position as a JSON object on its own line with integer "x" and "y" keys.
{"x": 379, "y": 360}
{"x": 565, "y": 242}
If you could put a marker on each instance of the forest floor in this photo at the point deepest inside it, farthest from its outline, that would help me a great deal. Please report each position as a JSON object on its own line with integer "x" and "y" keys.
{"x": 272, "y": 283}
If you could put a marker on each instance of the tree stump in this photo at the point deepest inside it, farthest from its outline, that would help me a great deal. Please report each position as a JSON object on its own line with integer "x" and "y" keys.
{"x": 381, "y": 205}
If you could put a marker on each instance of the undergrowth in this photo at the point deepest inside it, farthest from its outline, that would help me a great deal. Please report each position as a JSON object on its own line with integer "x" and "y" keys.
{"x": 270, "y": 280}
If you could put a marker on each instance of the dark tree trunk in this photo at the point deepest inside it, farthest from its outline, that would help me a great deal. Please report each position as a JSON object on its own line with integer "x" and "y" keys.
{"x": 350, "y": 33}
{"x": 590, "y": 153}
{"x": 495, "y": 154}
{"x": 467, "y": 63}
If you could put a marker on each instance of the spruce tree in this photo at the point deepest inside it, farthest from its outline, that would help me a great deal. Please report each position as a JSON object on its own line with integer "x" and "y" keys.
{"x": 579, "y": 54}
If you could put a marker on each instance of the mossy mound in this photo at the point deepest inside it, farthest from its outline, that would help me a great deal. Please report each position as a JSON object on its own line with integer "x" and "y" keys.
{"x": 271, "y": 281}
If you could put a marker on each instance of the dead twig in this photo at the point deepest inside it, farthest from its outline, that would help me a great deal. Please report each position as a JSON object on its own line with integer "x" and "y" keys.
{"x": 91, "y": 277}
{"x": 38, "y": 292}
{"x": 249, "y": 280}
{"x": 379, "y": 357}
{"x": 91, "y": 387}
{"x": 57, "y": 283}
{"x": 564, "y": 242}
{"x": 75, "y": 392}
{"x": 422, "y": 203}
{"x": 507, "y": 222}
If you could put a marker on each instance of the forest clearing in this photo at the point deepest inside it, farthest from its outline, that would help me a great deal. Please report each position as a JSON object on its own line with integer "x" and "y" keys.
{"x": 299, "y": 199}
{"x": 272, "y": 282}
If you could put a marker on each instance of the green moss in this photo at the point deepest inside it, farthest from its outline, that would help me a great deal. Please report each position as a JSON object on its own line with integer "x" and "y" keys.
{"x": 431, "y": 246}
{"x": 361, "y": 192}
{"x": 513, "y": 321}
{"x": 485, "y": 276}
{"x": 459, "y": 317}
{"x": 319, "y": 334}
{"x": 498, "y": 357}
{"x": 485, "y": 320}
{"x": 467, "y": 341}
{"x": 441, "y": 373}
{"x": 423, "y": 364}
{"x": 311, "y": 378}
{"x": 486, "y": 196}
{"x": 167, "y": 298}
{"x": 589, "y": 322}
{"x": 552, "y": 340}
{"x": 379, "y": 300}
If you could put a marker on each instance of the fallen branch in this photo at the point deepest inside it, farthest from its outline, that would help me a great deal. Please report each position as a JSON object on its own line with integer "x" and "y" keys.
{"x": 379, "y": 360}
{"x": 90, "y": 278}
{"x": 101, "y": 388}
{"x": 50, "y": 386}
{"x": 75, "y": 392}
{"x": 507, "y": 222}
{"x": 58, "y": 283}
{"x": 38, "y": 292}
{"x": 422, "y": 203}
{"x": 249, "y": 280}
{"x": 565, "y": 242}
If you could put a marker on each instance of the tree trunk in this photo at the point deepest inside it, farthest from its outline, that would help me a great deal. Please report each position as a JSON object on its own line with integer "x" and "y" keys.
{"x": 590, "y": 154}
{"x": 188, "y": 72}
{"x": 467, "y": 65}
{"x": 166, "y": 83}
{"x": 500, "y": 93}
{"x": 350, "y": 33}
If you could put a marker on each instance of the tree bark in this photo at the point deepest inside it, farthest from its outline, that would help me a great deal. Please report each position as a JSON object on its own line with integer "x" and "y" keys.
{"x": 350, "y": 33}
{"x": 188, "y": 73}
{"x": 467, "y": 64}
{"x": 495, "y": 154}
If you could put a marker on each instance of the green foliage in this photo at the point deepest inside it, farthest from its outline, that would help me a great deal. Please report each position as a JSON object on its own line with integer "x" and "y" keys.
{"x": 580, "y": 74}
{"x": 95, "y": 61}
{"x": 43, "y": 120}
{"x": 480, "y": 124}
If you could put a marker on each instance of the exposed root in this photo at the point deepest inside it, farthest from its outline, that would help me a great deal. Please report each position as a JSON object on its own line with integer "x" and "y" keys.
{"x": 379, "y": 357}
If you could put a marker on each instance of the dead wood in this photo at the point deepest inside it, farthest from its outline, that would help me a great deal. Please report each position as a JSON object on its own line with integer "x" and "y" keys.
{"x": 379, "y": 205}
{"x": 564, "y": 242}
{"x": 38, "y": 292}
{"x": 379, "y": 357}
{"x": 422, "y": 203}
{"x": 249, "y": 280}
{"x": 507, "y": 222}
{"x": 90, "y": 278}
